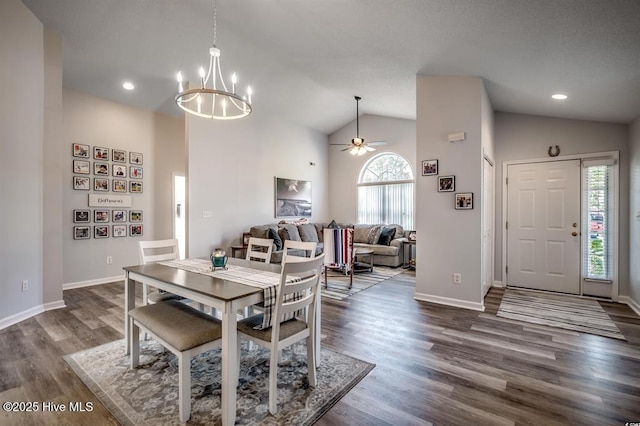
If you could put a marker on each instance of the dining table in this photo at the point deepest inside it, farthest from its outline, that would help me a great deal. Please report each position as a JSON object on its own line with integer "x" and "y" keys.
{"x": 228, "y": 295}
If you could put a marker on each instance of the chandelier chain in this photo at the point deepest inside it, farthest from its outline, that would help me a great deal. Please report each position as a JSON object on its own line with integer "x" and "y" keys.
{"x": 215, "y": 19}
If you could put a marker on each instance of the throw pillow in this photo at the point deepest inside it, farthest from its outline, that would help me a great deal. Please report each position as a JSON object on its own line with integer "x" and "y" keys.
{"x": 374, "y": 234}
{"x": 277, "y": 241}
{"x": 308, "y": 233}
{"x": 386, "y": 236}
{"x": 333, "y": 225}
{"x": 283, "y": 234}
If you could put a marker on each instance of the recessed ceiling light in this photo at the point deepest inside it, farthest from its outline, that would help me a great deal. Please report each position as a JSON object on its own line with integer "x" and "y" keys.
{"x": 559, "y": 97}
{"x": 128, "y": 85}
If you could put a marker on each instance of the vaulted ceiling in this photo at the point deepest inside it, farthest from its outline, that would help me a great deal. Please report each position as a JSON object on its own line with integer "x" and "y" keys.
{"x": 307, "y": 59}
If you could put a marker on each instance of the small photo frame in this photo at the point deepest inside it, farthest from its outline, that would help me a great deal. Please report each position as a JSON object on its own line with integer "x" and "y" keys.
{"x": 101, "y": 169}
{"x": 464, "y": 201}
{"x": 101, "y": 216}
{"x": 135, "y": 216}
{"x": 119, "y": 216}
{"x": 101, "y": 231}
{"x": 135, "y": 230}
{"x": 135, "y": 186}
{"x": 135, "y": 172}
{"x": 101, "y": 153}
{"x": 429, "y": 167}
{"x": 119, "y": 185}
{"x": 118, "y": 156}
{"x": 119, "y": 171}
{"x": 81, "y": 216}
{"x": 80, "y": 150}
{"x": 81, "y": 182}
{"x": 119, "y": 231}
{"x": 446, "y": 184}
{"x": 135, "y": 158}
{"x": 100, "y": 184}
{"x": 81, "y": 232}
{"x": 81, "y": 167}
{"x": 411, "y": 236}
{"x": 245, "y": 239}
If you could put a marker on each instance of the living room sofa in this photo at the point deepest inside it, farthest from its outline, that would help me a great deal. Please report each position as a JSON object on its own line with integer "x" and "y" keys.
{"x": 364, "y": 236}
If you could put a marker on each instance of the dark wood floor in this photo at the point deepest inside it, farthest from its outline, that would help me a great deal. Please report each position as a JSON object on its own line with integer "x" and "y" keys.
{"x": 434, "y": 364}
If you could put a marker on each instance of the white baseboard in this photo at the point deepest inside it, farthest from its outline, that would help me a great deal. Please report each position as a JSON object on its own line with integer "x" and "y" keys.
{"x": 21, "y": 316}
{"x": 464, "y": 304}
{"x": 90, "y": 283}
{"x": 632, "y": 303}
{"x": 498, "y": 284}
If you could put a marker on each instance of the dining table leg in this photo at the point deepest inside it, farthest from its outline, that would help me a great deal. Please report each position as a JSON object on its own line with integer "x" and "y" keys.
{"x": 229, "y": 364}
{"x": 129, "y": 304}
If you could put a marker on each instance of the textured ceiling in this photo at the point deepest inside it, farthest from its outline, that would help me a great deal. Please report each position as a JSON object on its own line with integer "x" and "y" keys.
{"x": 307, "y": 59}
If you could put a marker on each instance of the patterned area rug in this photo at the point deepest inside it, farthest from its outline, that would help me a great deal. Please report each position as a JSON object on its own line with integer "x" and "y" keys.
{"x": 338, "y": 283}
{"x": 554, "y": 310}
{"x": 149, "y": 395}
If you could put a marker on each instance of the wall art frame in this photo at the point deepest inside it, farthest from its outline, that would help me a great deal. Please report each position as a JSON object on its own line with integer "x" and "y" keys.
{"x": 135, "y": 158}
{"x": 118, "y": 231}
{"x": 119, "y": 185}
{"x": 81, "y": 216}
{"x": 100, "y": 153}
{"x": 81, "y": 232}
{"x": 135, "y": 230}
{"x": 135, "y": 187}
{"x": 101, "y": 231}
{"x": 292, "y": 198}
{"x": 81, "y": 167}
{"x": 101, "y": 184}
{"x": 429, "y": 167}
{"x": 464, "y": 201}
{"x": 118, "y": 156}
{"x": 82, "y": 183}
{"x": 80, "y": 150}
{"x": 446, "y": 183}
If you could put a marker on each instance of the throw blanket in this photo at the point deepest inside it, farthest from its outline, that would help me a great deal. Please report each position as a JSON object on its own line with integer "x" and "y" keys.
{"x": 268, "y": 281}
{"x": 338, "y": 247}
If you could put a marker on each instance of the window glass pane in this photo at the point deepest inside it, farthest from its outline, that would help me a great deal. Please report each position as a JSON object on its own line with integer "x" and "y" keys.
{"x": 597, "y": 253}
{"x": 386, "y": 168}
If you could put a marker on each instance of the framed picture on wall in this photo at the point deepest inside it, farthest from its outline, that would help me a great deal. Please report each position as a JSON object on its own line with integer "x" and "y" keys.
{"x": 464, "y": 201}
{"x": 119, "y": 171}
{"x": 135, "y": 172}
{"x": 81, "y": 167}
{"x": 119, "y": 216}
{"x": 135, "y": 216}
{"x": 101, "y": 216}
{"x": 118, "y": 156}
{"x": 293, "y": 197}
{"x": 119, "y": 185}
{"x": 81, "y": 182}
{"x": 101, "y": 231}
{"x": 429, "y": 167}
{"x": 101, "y": 153}
{"x": 446, "y": 183}
{"x": 81, "y": 232}
{"x": 135, "y": 158}
{"x": 81, "y": 216}
{"x": 100, "y": 184}
{"x": 135, "y": 186}
{"x": 80, "y": 150}
{"x": 119, "y": 231}
{"x": 135, "y": 230}
{"x": 100, "y": 169}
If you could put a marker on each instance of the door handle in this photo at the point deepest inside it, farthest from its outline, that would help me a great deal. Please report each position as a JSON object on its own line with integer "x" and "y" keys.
{"x": 574, "y": 234}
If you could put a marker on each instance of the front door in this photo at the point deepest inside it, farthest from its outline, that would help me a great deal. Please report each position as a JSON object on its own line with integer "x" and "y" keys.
{"x": 543, "y": 226}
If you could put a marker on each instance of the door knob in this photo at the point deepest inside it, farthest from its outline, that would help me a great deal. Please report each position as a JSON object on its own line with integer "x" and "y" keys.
{"x": 574, "y": 234}
{"x": 575, "y": 225}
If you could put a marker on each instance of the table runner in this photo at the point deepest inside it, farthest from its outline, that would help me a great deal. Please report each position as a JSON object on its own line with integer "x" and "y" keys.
{"x": 266, "y": 280}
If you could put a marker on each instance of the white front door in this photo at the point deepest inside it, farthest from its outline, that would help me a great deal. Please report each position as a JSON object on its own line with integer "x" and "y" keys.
{"x": 543, "y": 226}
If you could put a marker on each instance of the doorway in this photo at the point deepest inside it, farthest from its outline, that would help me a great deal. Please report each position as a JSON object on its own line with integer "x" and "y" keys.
{"x": 543, "y": 226}
{"x": 179, "y": 213}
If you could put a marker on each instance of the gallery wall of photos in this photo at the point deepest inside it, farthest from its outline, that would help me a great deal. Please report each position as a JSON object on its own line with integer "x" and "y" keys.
{"x": 103, "y": 170}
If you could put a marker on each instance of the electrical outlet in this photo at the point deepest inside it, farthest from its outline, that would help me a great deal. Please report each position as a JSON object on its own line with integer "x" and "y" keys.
{"x": 457, "y": 278}
{"x": 25, "y": 285}
{"x": 109, "y": 260}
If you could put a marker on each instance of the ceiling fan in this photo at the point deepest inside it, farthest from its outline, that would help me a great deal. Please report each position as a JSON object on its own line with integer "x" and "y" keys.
{"x": 358, "y": 146}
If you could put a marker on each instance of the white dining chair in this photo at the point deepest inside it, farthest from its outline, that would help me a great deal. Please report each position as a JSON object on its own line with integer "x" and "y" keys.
{"x": 152, "y": 252}
{"x": 307, "y": 249}
{"x": 297, "y": 292}
{"x": 259, "y": 248}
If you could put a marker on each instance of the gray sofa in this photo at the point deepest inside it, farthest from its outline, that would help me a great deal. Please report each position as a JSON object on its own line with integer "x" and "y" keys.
{"x": 364, "y": 236}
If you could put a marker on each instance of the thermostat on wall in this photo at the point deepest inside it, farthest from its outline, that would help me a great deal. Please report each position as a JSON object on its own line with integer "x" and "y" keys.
{"x": 456, "y": 137}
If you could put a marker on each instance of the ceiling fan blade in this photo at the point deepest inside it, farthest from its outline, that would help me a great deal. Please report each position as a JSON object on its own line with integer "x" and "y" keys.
{"x": 346, "y": 149}
{"x": 368, "y": 148}
{"x": 340, "y": 144}
{"x": 377, "y": 143}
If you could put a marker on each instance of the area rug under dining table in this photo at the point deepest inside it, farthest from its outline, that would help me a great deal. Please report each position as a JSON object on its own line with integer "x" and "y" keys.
{"x": 148, "y": 395}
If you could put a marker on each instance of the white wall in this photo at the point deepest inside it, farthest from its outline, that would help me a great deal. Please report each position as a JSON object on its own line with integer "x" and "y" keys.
{"x": 634, "y": 213}
{"x": 449, "y": 240}
{"x": 21, "y": 143}
{"x": 98, "y": 122}
{"x": 231, "y": 170}
{"x": 400, "y": 135}
{"x": 526, "y": 136}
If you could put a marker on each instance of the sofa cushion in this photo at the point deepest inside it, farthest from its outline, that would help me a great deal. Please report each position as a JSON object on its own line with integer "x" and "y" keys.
{"x": 386, "y": 235}
{"x": 261, "y": 231}
{"x": 374, "y": 234}
{"x": 320, "y": 230}
{"x": 277, "y": 241}
{"x": 292, "y": 232}
{"x": 379, "y": 249}
{"x": 308, "y": 233}
{"x": 399, "y": 230}
{"x": 361, "y": 233}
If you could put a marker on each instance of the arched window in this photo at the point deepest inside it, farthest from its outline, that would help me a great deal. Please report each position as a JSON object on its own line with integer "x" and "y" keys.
{"x": 385, "y": 191}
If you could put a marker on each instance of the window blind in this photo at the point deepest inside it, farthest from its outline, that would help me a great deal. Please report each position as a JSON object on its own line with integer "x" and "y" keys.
{"x": 597, "y": 253}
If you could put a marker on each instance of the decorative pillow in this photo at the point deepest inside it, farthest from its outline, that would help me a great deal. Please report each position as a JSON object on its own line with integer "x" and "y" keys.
{"x": 283, "y": 234}
{"x": 277, "y": 241}
{"x": 292, "y": 230}
{"x": 374, "y": 234}
{"x": 361, "y": 233}
{"x": 399, "y": 230}
{"x": 333, "y": 225}
{"x": 319, "y": 231}
{"x": 308, "y": 233}
{"x": 386, "y": 235}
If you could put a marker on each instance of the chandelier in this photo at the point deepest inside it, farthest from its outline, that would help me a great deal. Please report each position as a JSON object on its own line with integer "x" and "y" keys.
{"x": 213, "y": 99}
